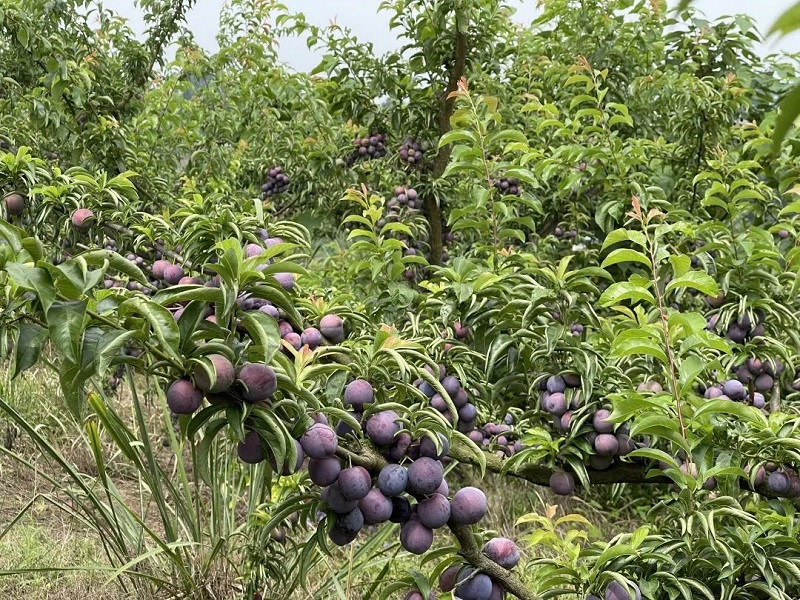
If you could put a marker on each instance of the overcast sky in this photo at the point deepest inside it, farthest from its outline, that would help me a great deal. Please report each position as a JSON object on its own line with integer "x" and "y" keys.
{"x": 368, "y": 24}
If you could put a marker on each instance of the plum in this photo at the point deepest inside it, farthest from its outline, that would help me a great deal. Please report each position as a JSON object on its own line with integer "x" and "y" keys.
{"x": 399, "y": 448}
{"x": 393, "y": 480}
{"x": 183, "y": 398}
{"x": 269, "y": 309}
{"x": 173, "y": 274}
{"x": 427, "y": 447}
{"x": 764, "y": 383}
{"x": 734, "y": 390}
{"x": 250, "y": 450}
{"x": 294, "y": 340}
{"x": 383, "y": 426}
{"x": 333, "y": 497}
{"x": 357, "y": 393}
{"x": 461, "y": 398}
{"x": 556, "y": 384}
{"x": 15, "y": 204}
{"x": 555, "y": 403}
{"x": 443, "y": 489}
{"x": 375, "y": 507}
{"x": 601, "y": 423}
{"x": 468, "y": 506}
{"x": 251, "y": 250}
{"x": 606, "y": 444}
{"x": 438, "y": 403}
{"x": 600, "y": 463}
{"x": 224, "y": 374}
{"x": 434, "y": 511}
{"x": 354, "y": 482}
{"x": 401, "y": 510}
{"x": 451, "y": 385}
{"x": 447, "y": 580}
{"x": 311, "y": 337}
{"x": 473, "y": 586}
{"x": 332, "y": 327}
{"x": 562, "y": 483}
{"x": 324, "y": 471}
{"x": 439, "y": 372}
{"x": 616, "y": 591}
{"x": 468, "y": 412}
{"x": 424, "y": 476}
{"x": 340, "y": 538}
{"x": 82, "y": 219}
{"x": 503, "y": 551}
{"x": 415, "y": 537}
{"x": 778, "y": 483}
{"x": 319, "y": 441}
{"x": 259, "y": 381}
{"x": 285, "y": 280}
{"x": 351, "y": 522}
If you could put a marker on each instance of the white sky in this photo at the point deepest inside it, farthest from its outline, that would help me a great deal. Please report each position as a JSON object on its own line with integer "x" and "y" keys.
{"x": 369, "y": 25}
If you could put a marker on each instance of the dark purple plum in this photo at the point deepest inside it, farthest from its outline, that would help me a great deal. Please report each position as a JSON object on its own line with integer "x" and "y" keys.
{"x": 424, "y": 476}
{"x": 734, "y": 390}
{"x": 415, "y": 537}
{"x": 473, "y": 586}
{"x": 468, "y": 506}
{"x": 224, "y": 375}
{"x": 15, "y": 204}
{"x": 285, "y": 280}
{"x": 399, "y": 448}
{"x": 339, "y": 538}
{"x": 562, "y": 483}
{"x": 427, "y": 447}
{"x": 319, "y": 441}
{"x": 173, "y": 274}
{"x": 332, "y": 327}
{"x": 375, "y": 507}
{"x": 351, "y": 522}
{"x": 556, "y": 384}
{"x": 250, "y": 450}
{"x": 606, "y": 444}
{"x": 311, "y": 337}
{"x": 259, "y": 382}
{"x": 468, "y": 412}
{"x": 434, "y": 511}
{"x": 355, "y": 482}
{"x": 451, "y": 385}
{"x": 294, "y": 340}
{"x": 393, "y": 480}
{"x": 401, "y": 510}
{"x": 357, "y": 393}
{"x": 383, "y": 426}
{"x": 324, "y": 471}
{"x": 183, "y": 398}
{"x": 447, "y": 580}
{"x": 778, "y": 483}
{"x": 334, "y": 498}
{"x": 616, "y": 591}
{"x": 601, "y": 423}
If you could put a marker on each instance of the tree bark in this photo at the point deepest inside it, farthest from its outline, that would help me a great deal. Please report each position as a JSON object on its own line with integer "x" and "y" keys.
{"x": 432, "y": 207}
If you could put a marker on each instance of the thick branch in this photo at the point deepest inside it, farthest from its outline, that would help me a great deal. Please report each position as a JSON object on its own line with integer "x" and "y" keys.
{"x": 446, "y": 104}
{"x": 473, "y": 555}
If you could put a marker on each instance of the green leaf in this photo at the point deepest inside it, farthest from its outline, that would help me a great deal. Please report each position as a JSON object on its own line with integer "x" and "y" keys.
{"x": 789, "y": 110}
{"x": 624, "y": 290}
{"x": 107, "y": 258}
{"x": 65, "y": 323}
{"x": 698, "y": 280}
{"x": 787, "y": 22}
{"x": 624, "y": 235}
{"x": 161, "y": 321}
{"x": 28, "y": 347}
{"x": 625, "y": 255}
{"x": 264, "y": 332}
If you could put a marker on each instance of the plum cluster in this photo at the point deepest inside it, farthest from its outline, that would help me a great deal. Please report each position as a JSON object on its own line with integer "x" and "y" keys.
{"x": 743, "y": 329}
{"x": 277, "y": 182}
{"x": 576, "y": 329}
{"x": 567, "y": 234}
{"x": 412, "y": 152}
{"x": 753, "y": 381}
{"x": 331, "y": 329}
{"x": 367, "y": 148}
{"x": 508, "y": 186}
{"x": 617, "y": 591}
{"x": 499, "y": 437}
{"x": 782, "y": 481}
{"x": 414, "y": 471}
{"x": 468, "y": 583}
{"x": 467, "y": 415}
